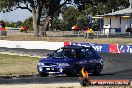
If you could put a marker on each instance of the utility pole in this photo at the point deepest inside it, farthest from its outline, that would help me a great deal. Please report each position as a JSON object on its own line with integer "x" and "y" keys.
{"x": 50, "y": 24}
{"x": 130, "y": 1}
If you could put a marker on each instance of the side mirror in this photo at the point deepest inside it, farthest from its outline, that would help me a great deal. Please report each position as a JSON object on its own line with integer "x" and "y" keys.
{"x": 49, "y": 55}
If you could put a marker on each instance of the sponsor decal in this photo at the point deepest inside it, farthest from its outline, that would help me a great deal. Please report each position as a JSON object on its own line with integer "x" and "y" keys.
{"x": 110, "y": 82}
{"x": 112, "y": 48}
{"x": 117, "y": 48}
{"x": 129, "y": 48}
{"x": 97, "y": 47}
{"x": 85, "y": 81}
{"x": 66, "y": 43}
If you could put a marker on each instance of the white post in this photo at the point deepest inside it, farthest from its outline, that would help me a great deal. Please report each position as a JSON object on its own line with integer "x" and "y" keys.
{"x": 130, "y": 1}
{"x": 129, "y": 34}
{"x": 49, "y": 24}
{"x": 107, "y": 35}
{"x": 97, "y": 34}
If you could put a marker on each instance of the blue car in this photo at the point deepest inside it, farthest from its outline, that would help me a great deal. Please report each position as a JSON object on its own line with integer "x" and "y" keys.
{"x": 70, "y": 60}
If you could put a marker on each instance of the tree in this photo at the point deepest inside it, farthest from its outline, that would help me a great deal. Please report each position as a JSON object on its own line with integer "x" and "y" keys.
{"x": 28, "y": 22}
{"x": 83, "y": 21}
{"x": 69, "y": 15}
{"x": 100, "y": 8}
{"x": 42, "y": 10}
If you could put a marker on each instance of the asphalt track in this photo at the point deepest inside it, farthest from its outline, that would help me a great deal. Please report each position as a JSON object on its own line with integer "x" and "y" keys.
{"x": 116, "y": 66}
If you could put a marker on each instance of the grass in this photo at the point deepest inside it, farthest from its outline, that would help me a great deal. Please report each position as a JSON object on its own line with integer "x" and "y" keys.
{"x": 118, "y": 40}
{"x": 17, "y": 65}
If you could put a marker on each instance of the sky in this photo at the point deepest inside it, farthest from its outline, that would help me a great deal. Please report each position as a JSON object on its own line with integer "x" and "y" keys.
{"x": 16, "y": 15}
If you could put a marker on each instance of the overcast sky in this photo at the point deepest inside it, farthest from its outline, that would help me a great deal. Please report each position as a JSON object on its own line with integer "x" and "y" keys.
{"x": 16, "y": 15}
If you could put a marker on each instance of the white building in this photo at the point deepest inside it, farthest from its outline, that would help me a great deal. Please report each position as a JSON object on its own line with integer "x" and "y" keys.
{"x": 118, "y": 21}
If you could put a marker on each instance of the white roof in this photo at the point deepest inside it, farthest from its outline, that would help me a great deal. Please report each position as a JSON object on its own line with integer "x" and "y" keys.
{"x": 123, "y": 12}
{"x": 127, "y": 11}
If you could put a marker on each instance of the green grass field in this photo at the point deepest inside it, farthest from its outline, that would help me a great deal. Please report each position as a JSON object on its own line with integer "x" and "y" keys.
{"x": 17, "y": 65}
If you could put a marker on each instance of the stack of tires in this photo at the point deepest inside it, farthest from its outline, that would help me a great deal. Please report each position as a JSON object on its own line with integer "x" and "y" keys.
{"x": 2, "y": 29}
{"x": 3, "y": 32}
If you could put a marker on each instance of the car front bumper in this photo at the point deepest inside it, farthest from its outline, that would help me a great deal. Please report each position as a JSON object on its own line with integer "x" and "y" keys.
{"x": 50, "y": 70}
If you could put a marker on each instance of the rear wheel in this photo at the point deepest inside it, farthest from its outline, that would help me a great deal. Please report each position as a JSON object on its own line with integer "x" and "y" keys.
{"x": 98, "y": 69}
{"x": 74, "y": 71}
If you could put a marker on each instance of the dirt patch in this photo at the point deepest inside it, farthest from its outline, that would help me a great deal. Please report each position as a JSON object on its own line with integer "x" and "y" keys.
{"x": 53, "y": 85}
{"x": 57, "y": 85}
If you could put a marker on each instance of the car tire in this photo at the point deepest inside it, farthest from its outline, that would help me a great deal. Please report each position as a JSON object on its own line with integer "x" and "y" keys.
{"x": 98, "y": 70}
{"x": 74, "y": 71}
{"x": 43, "y": 74}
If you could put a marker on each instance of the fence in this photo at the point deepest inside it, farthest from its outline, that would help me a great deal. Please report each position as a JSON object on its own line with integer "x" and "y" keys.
{"x": 78, "y": 34}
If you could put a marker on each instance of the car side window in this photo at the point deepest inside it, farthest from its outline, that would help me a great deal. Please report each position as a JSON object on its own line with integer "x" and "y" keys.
{"x": 89, "y": 53}
{"x": 68, "y": 53}
{"x": 58, "y": 53}
{"x": 80, "y": 53}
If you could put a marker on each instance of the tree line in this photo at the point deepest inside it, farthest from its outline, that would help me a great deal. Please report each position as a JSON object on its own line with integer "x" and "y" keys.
{"x": 73, "y": 12}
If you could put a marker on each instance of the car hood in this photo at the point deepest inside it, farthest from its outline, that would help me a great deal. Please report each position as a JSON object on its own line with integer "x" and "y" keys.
{"x": 56, "y": 60}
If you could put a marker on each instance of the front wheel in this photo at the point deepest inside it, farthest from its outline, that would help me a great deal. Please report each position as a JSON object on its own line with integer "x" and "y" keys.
{"x": 72, "y": 73}
{"x": 43, "y": 74}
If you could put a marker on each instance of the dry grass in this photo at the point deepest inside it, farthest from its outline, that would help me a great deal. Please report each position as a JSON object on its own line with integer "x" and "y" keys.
{"x": 17, "y": 65}
{"x": 118, "y": 40}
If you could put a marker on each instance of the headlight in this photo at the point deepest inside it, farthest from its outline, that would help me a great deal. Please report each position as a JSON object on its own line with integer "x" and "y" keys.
{"x": 96, "y": 61}
{"x": 100, "y": 61}
{"x": 93, "y": 61}
{"x": 40, "y": 69}
{"x": 40, "y": 63}
{"x": 63, "y": 64}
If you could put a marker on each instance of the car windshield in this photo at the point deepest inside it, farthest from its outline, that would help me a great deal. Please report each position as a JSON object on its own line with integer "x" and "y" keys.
{"x": 58, "y": 53}
{"x": 68, "y": 53}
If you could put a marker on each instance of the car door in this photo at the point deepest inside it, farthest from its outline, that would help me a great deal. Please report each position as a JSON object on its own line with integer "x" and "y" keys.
{"x": 81, "y": 57}
{"x": 92, "y": 61}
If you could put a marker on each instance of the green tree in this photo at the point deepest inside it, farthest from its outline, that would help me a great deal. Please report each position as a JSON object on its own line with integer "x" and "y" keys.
{"x": 12, "y": 24}
{"x": 28, "y": 22}
{"x": 83, "y": 21}
{"x": 69, "y": 15}
{"x": 56, "y": 24}
{"x": 42, "y": 10}
{"x": 100, "y": 8}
